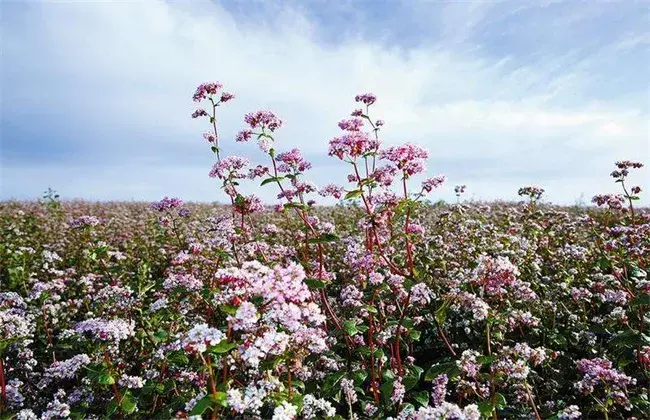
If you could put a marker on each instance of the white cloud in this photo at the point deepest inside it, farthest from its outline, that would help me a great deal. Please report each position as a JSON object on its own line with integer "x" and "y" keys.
{"x": 130, "y": 68}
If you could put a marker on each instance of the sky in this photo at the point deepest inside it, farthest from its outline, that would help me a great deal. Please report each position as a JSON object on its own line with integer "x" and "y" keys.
{"x": 96, "y": 97}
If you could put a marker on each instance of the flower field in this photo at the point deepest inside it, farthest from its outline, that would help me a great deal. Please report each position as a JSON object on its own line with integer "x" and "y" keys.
{"x": 383, "y": 306}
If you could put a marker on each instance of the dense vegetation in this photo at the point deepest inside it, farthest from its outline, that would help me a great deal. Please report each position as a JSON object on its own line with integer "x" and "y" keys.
{"x": 385, "y": 306}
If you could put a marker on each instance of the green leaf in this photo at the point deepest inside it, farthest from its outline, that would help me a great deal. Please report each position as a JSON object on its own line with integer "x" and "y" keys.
{"x": 412, "y": 378}
{"x": 105, "y": 379}
{"x": 350, "y": 327}
{"x": 228, "y": 309}
{"x": 111, "y": 407}
{"x": 448, "y": 368}
{"x": 272, "y": 179}
{"x": 422, "y": 398}
{"x": 415, "y": 335}
{"x": 486, "y": 360}
{"x": 178, "y": 358}
{"x": 387, "y": 391}
{"x": 128, "y": 403}
{"x": 314, "y": 283}
{"x": 501, "y": 401}
{"x": 486, "y": 408}
{"x": 296, "y": 205}
{"x": 441, "y": 314}
{"x": 641, "y": 299}
{"x": 331, "y": 381}
{"x": 326, "y": 237}
{"x": 223, "y": 347}
{"x": 360, "y": 376}
{"x": 352, "y": 194}
{"x": 201, "y": 405}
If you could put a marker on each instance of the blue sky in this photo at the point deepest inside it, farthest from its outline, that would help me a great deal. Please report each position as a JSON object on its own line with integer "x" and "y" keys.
{"x": 96, "y": 96}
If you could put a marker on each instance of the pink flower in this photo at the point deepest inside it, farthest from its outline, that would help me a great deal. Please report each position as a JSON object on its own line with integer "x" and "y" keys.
{"x": 248, "y": 205}
{"x": 292, "y": 161}
{"x": 430, "y": 184}
{"x": 407, "y": 157}
{"x": 199, "y": 113}
{"x": 354, "y": 124}
{"x": 257, "y": 172}
{"x": 229, "y": 167}
{"x": 263, "y": 119}
{"x": 366, "y": 98}
{"x": 226, "y": 96}
{"x": 353, "y": 144}
{"x": 206, "y": 89}
{"x": 210, "y": 136}
{"x": 331, "y": 190}
{"x": 243, "y": 136}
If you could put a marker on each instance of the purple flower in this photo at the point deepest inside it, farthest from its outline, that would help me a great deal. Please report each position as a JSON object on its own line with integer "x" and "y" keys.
{"x": 206, "y": 89}
{"x": 263, "y": 120}
{"x": 366, "y": 98}
{"x": 166, "y": 204}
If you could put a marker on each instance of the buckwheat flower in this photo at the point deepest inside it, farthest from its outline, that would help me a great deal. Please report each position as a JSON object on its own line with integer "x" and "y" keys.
{"x": 370, "y": 410}
{"x": 185, "y": 281}
{"x": 206, "y": 89}
{"x": 409, "y": 158}
{"x": 84, "y": 221}
{"x": 375, "y": 278}
{"x": 26, "y": 414}
{"x": 200, "y": 337}
{"x": 398, "y": 391}
{"x": 439, "y": 391}
{"x": 243, "y": 136}
{"x": 415, "y": 229}
{"x": 12, "y": 393}
{"x": 354, "y": 124}
{"x": 226, "y": 96}
{"x": 347, "y": 386}
{"x": 471, "y": 412}
{"x": 248, "y": 205}
{"x": 352, "y": 144}
{"x": 292, "y": 161}
{"x": 431, "y": 184}
{"x": 366, "y": 98}
{"x": 210, "y": 136}
{"x": 468, "y": 364}
{"x": 571, "y": 412}
{"x": 14, "y": 324}
{"x": 265, "y": 144}
{"x": 421, "y": 294}
{"x": 230, "y": 167}
{"x": 316, "y": 408}
{"x": 331, "y": 190}
{"x": 158, "y": 305}
{"x": 106, "y": 330}
{"x": 132, "y": 382}
{"x": 245, "y": 318}
{"x": 263, "y": 120}
{"x": 384, "y": 175}
{"x": 166, "y": 204}
{"x": 66, "y": 369}
{"x": 257, "y": 172}
{"x": 627, "y": 164}
{"x": 351, "y": 296}
{"x": 285, "y": 411}
{"x": 56, "y": 409}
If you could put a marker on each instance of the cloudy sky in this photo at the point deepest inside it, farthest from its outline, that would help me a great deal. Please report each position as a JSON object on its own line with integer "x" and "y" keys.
{"x": 96, "y": 96}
